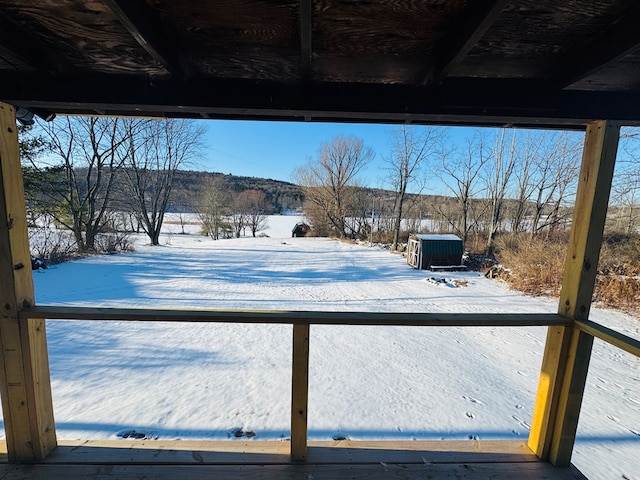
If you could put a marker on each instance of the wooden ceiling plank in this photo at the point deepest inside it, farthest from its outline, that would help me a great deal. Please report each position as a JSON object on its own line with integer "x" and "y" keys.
{"x": 21, "y": 46}
{"x": 621, "y": 38}
{"x": 478, "y": 18}
{"x": 306, "y": 35}
{"x": 134, "y": 17}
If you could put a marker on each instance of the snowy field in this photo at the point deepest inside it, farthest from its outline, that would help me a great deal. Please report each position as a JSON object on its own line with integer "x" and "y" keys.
{"x": 216, "y": 381}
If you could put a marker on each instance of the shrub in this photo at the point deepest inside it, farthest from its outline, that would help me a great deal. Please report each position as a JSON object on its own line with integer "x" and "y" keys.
{"x": 618, "y": 280}
{"x": 113, "y": 242}
{"x": 535, "y": 264}
{"x": 51, "y": 244}
{"x": 618, "y": 291}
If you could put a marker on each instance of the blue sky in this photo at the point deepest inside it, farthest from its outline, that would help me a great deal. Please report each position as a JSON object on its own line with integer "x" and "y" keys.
{"x": 276, "y": 149}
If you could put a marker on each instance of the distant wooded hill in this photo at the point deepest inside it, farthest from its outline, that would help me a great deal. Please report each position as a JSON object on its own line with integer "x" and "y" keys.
{"x": 189, "y": 187}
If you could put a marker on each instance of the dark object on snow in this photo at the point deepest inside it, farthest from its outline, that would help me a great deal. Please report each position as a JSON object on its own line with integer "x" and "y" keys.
{"x": 132, "y": 434}
{"x": 238, "y": 432}
{"x": 497, "y": 272}
{"x": 37, "y": 263}
{"x": 300, "y": 230}
{"x": 426, "y": 251}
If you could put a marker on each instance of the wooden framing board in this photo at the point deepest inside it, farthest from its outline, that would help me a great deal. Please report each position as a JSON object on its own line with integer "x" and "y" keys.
{"x": 567, "y": 412}
{"x": 248, "y": 459}
{"x": 378, "y": 471}
{"x": 198, "y": 452}
{"x": 617, "y": 339}
{"x": 299, "y": 392}
{"x": 25, "y": 383}
{"x": 461, "y": 101}
{"x": 52, "y": 312}
{"x": 568, "y": 350}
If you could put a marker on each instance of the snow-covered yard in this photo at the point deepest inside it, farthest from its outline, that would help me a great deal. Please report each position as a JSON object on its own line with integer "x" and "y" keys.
{"x": 219, "y": 381}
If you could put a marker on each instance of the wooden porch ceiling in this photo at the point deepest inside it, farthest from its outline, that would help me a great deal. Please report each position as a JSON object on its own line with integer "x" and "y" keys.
{"x": 489, "y": 62}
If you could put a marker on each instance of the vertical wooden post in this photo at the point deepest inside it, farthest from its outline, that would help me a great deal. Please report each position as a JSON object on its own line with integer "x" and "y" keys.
{"x": 568, "y": 351}
{"x": 25, "y": 384}
{"x": 299, "y": 392}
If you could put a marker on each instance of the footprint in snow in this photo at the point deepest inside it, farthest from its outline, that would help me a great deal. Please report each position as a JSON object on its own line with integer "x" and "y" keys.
{"x": 521, "y": 422}
{"x": 472, "y": 400}
{"x": 617, "y": 420}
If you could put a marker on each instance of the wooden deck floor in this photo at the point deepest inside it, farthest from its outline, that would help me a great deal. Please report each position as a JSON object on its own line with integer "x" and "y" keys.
{"x": 270, "y": 460}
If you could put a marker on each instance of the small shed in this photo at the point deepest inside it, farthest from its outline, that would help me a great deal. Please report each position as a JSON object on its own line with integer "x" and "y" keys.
{"x": 427, "y": 250}
{"x": 300, "y": 230}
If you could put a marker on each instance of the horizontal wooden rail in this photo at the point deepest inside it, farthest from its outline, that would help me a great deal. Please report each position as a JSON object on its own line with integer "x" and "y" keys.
{"x": 296, "y": 317}
{"x": 612, "y": 337}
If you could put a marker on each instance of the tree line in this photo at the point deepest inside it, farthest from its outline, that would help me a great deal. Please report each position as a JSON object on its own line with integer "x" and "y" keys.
{"x": 493, "y": 182}
{"x": 93, "y": 175}
{"x": 98, "y": 176}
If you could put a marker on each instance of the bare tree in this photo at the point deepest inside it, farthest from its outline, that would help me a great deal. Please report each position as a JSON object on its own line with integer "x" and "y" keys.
{"x": 213, "y": 211}
{"x": 498, "y": 177}
{"x": 411, "y": 149}
{"x": 78, "y": 197}
{"x": 533, "y": 148}
{"x": 182, "y": 202}
{"x": 460, "y": 173}
{"x": 626, "y": 197}
{"x": 328, "y": 182}
{"x": 556, "y": 169}
{"x": 253, "y": 204}
{"x": 237, "y": 221}
{"x": 156, "y": 150}
{"x": 625, "y": 194}
{"x": 359, "y": 222}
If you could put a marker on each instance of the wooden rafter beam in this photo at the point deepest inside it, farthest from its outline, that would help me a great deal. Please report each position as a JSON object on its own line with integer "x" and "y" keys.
{"x": 22, "y": 47}
{"x": 619, "y": 39}
{"x": 306, "y": 48}
{"x": 472, "y": 102}
{"x": 135, "y": 17}
{"x": 478, "y": 17}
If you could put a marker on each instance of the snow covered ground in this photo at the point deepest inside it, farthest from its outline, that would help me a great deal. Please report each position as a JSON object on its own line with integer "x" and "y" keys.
{"x": 209, "y": 381}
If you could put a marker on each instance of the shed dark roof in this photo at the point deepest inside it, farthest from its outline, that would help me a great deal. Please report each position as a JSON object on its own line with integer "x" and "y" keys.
{"x": 491, "y": 62}
{"x": 437, "y": 237}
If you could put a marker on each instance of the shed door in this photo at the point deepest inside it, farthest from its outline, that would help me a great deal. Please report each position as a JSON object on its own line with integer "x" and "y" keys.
{"x": 413, "y": 253}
